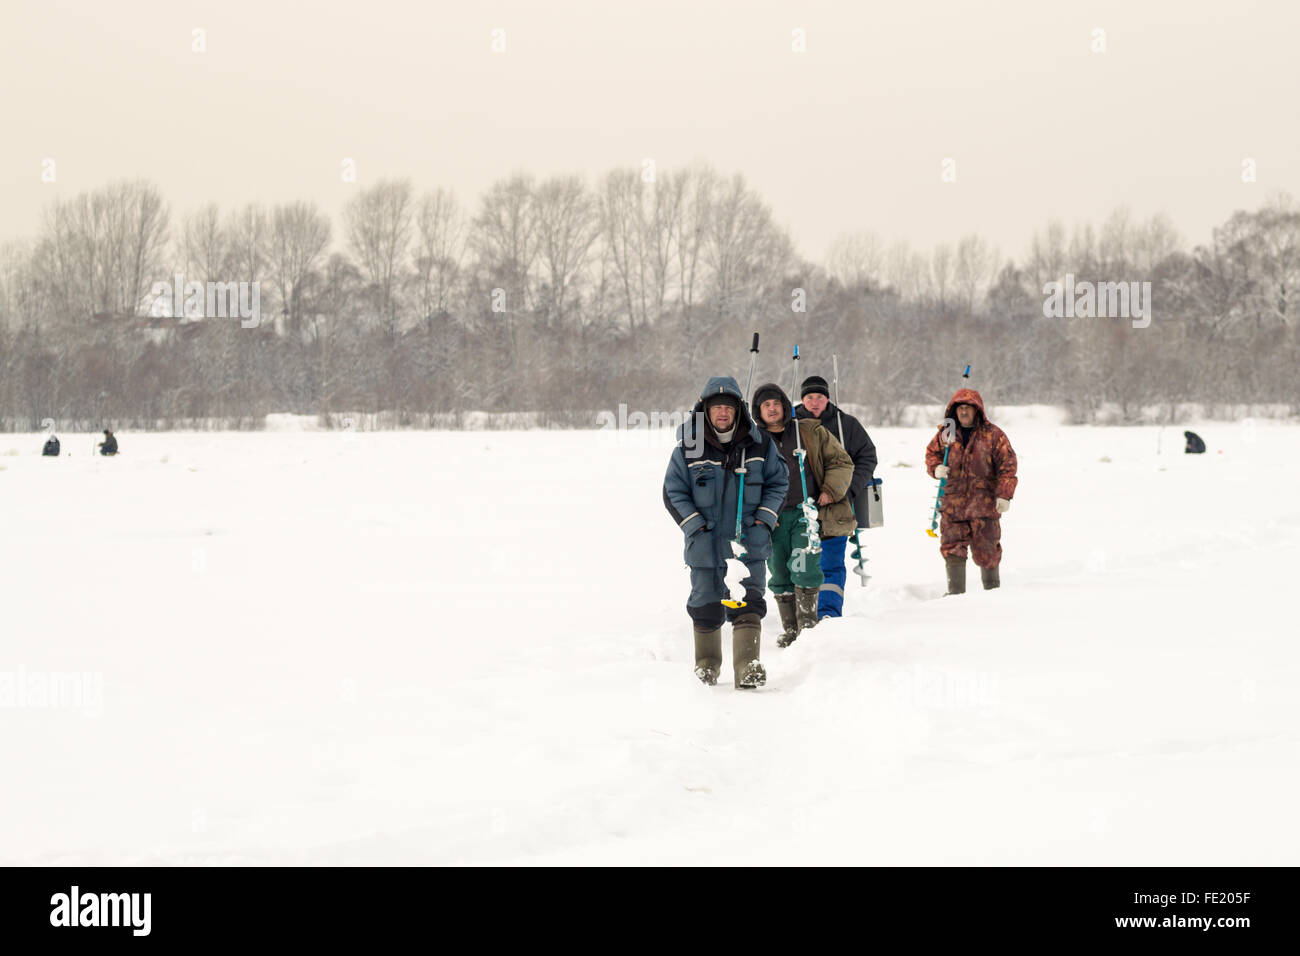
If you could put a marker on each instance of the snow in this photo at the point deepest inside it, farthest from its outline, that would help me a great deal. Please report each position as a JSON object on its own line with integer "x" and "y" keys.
{"x": 471, "y": 647}
{"x": 734, "y": 578}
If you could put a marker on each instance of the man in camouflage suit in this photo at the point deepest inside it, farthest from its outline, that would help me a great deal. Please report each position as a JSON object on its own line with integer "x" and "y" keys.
{"x": 981, "y": 473}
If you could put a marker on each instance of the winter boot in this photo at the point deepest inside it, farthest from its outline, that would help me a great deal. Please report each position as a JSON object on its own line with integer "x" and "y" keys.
{"x": 789, "y": 620}
{"x": 708, "y": 654}
{"x": 990, "y": 578}
{"x": 956, "y": 574}
{"x": 746, "y": 632}
{"x": 806, "y": 604}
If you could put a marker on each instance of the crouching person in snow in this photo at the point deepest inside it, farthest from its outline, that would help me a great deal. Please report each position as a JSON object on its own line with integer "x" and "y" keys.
{"x": 981, "y": 473}
{"x": 796, "y": 575}
{"x": 700, "y": 492}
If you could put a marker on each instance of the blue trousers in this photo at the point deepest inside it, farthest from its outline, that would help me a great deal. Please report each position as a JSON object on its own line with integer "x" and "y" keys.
{"x": 830, "y": 599}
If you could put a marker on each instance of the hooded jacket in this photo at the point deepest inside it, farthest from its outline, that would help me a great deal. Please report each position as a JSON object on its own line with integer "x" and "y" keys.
{"x": 981, "y": 466}
{"x": 701, "y": 484}
{"x": 856, "y": 442}
{"x": 828, "y": 466}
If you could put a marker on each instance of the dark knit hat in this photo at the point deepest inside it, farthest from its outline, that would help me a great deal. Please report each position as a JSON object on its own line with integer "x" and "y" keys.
{"x": 814, "y": 383}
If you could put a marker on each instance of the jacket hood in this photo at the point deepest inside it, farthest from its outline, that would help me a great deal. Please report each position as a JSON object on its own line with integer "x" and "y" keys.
{"x": 719, "y": 385}
{"x": 966, "y": 396}
{"x": 762, "y": 394}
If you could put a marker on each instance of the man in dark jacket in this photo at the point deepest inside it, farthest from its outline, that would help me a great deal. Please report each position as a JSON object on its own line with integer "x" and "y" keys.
{"x": 981, "y": 480}
{"x": 109, "y": 445}
{"x": 51, "y": 448}
{"x": 816, "y": 403}
{"x": 700, "y": 491}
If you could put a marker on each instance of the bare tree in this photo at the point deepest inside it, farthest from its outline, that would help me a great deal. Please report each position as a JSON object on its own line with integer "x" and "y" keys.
{"x": 856, "y": 259}
{"x": 205, "y": 246}
{"x": 504, "y": 236}
{"x": 746, "y": 252}
{"x": 941, "y": 274}
{"x": 1156, "y": 242}
{"x": 106, "y": 247}
{"x": 22, "y": 293}
{"x": 568, "y": 222}
{"x": 1046, "y": 259}
{"x": 378, "y": 224}
{"x": 439, "y": 251}
{"x": 300, "y": 235}
{"x": 248, "y": 234}
{"x": 974, "y": 270}
{"x": 624, "y": 231}
{"x": 691, "y": 212}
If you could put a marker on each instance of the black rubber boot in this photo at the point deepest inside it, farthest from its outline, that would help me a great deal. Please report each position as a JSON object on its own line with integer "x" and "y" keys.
{"x": 789, "y": 620}
{"x": 990, "y": 578}
{"x": 956, "y": 574}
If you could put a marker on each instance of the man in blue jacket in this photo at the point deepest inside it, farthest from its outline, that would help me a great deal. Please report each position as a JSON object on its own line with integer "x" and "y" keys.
{"x": 700, "y": 491}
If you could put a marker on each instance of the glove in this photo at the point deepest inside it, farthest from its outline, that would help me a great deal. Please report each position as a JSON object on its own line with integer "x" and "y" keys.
{"x": 1003, "y": 506}
{"x": 941, "y": 471}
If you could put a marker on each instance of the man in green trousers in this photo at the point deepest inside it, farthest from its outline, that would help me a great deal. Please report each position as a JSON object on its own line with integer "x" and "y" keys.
{"x": 794, "y": 575}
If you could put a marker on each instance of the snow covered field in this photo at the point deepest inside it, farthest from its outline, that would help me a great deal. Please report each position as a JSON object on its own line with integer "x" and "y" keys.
{"x": 471, "y": 648}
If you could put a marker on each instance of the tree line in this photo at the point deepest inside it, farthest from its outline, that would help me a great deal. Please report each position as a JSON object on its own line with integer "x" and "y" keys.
{"x": 562, "y": 298}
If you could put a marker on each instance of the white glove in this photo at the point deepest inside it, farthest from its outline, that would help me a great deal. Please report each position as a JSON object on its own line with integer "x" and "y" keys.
{"x": 1003, "y": 506}
{"x": 941, "y": 471}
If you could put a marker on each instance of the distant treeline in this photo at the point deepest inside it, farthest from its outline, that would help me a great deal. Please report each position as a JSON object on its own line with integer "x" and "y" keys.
{"x": 556, "y": 297}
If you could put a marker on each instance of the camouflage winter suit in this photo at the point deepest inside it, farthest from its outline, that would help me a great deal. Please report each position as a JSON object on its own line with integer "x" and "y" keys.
{"x": 981, "y": 469}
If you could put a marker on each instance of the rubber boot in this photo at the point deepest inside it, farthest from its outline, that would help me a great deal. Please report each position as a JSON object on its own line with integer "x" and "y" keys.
{"x": 990, "y": 578}
{"x": 789, "y": 620}
{"x": 956, "y": 574}
{"x": 806, "y": 605}
{"x": 746, "y": 632}
{"x": 708, "y": 654}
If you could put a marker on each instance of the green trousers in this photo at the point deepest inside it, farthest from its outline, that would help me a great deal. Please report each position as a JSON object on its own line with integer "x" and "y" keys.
{"x": 787, "y": 570}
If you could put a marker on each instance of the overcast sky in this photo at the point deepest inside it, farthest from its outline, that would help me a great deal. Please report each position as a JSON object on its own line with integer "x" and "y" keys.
{"x": 846, "y": 136}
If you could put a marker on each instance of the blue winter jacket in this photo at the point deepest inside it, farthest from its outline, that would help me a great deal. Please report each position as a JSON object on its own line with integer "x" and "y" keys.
{"x": 701, "y": 484}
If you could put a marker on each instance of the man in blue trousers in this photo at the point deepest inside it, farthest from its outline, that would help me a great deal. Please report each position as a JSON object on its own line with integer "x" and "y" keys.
{"x": 816, "y": 403}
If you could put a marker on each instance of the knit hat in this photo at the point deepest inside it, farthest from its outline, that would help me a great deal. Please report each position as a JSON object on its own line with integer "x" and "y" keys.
{"x": 814, "y": 383}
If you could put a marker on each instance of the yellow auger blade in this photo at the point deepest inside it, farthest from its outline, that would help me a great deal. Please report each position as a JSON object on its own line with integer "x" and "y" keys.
{"x": 733, "y": 604}
{"x": 930, "y": 532}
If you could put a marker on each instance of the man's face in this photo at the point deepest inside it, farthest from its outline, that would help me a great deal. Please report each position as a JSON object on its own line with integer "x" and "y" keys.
{"x": 815, "y": 402}
{"x": 966, "y": 415}
{"x": 722, "y": 416}
{"x": 772, "y": 410}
